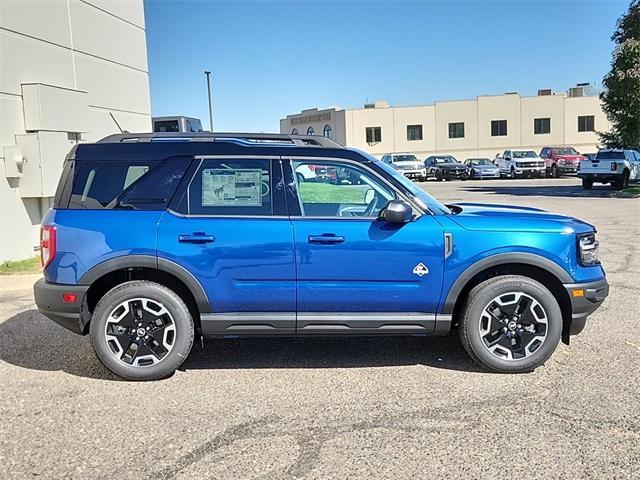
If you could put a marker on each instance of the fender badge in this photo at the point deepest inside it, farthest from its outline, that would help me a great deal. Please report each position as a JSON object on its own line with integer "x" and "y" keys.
{"x": 420, "y": 269}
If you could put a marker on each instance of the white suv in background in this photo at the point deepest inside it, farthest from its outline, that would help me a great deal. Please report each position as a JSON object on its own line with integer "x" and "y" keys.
{"x": 618, "y": 167}
{"x": 520, "y": 163}
{"x": 407, "y": 164}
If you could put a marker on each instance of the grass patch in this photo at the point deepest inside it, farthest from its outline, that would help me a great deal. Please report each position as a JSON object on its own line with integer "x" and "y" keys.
{"x": 311, "y": 192}
{"x": 31, "y": 265}
{"x": 635, "y": 190}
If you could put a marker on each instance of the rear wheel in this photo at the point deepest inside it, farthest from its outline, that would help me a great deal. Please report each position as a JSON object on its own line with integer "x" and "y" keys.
{"x": 623, "y": 182}
{"x": 510, "y": 324}
{"x": 587, "y": 184}
{"x": 141, "y": 330}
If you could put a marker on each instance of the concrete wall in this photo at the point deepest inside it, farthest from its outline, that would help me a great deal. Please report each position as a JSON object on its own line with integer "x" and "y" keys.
{"x": 477, "y": 115}
{"x": 316, "y": 119}
{"x": 89, "y": 55}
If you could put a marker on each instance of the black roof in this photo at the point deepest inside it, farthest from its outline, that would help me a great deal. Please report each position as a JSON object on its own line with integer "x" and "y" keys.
{"x": 158, "y": 146}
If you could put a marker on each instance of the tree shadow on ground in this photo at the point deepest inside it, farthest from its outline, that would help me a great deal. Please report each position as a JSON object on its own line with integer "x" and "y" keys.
{"x": 29, "y": 340}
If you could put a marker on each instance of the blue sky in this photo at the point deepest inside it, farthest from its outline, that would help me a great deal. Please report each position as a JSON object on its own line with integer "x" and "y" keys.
{"x": 270, "y": 59}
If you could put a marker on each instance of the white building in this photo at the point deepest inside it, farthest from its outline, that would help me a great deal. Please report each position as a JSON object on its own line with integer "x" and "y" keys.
{"x": 463, "y": 128}
{"x": 64, "y": 66}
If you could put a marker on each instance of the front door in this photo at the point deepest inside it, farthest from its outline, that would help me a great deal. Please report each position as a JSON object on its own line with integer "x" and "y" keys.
{"x": 355, "y": 273}
{"x": 230, "y": 230}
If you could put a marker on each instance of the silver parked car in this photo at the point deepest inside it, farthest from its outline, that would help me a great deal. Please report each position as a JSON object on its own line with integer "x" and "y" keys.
{"x": 480, "y": 168}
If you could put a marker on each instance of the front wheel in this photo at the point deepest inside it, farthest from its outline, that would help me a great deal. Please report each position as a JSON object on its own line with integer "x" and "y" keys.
{"x": 510, "y": 324}
{"x": 555, "y": 173}
{"x": 141, "y": 330}
{"x": 512, "y": 173}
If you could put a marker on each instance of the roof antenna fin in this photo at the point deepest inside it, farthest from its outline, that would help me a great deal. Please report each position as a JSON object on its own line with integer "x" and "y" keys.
{"x": 117, "y": 124}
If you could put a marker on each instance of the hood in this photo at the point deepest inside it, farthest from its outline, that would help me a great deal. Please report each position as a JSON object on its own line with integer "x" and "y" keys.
{"x": 569, "y": 158}
{"x": 501, "y": 218}
{"x": 408, "y": 164}
{"x": 451, "y": 165}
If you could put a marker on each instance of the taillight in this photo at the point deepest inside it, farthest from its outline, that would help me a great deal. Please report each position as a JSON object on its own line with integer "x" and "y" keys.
{"x": 47, "y": 245}
{"x": 614, "y": 166}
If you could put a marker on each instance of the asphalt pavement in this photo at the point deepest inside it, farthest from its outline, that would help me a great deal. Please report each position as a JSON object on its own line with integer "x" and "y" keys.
{"x": 339, "y": 408}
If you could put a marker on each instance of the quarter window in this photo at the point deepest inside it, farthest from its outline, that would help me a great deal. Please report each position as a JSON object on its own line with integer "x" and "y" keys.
{"x": 231, "y": 187}
{"x": 373, "y": 135}
{"x": 586, "y": 123}
{"x": 498, "y": 128}
{"x": 456, "y": 130}
{"x": 339, "y": 189}
{"x": 541, "y": 126}
{"x": 414, "y": 132}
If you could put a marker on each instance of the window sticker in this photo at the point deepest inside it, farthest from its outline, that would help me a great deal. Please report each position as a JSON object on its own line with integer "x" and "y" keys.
{"x": 231, "y": 188}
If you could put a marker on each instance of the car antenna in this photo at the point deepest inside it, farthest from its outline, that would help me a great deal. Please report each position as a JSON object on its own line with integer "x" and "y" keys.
{"x": 117, "y": 124}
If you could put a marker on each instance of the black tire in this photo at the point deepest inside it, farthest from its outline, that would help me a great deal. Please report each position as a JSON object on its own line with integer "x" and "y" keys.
{"x": 587, "y": 183}
{"x": 179, "y": 316}
{"x": 481, "y": 297}
{"x": 300, "y": 177}
{"x": 512, "y": 173}
{"x": 623, "y": 182}
{"x": 555, "y": 173}
{"x": 438, "y": 176}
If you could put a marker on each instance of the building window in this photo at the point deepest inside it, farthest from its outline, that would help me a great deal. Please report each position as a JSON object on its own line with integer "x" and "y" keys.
{"x": 414, "y": 132}
{"x": 456, "y": 130}
{"x": 498, "y": 128}
{"x": 327, "y": 132}
{"x": 586, "y": 123}
{"x": 541, "y": 126}
{"x": 374, "y": 135}
{"x": 310, "y": 131}
{"x": 294, "y": 131}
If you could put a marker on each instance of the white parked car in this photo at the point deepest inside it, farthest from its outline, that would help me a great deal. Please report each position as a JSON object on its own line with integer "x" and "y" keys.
{"x": 407, "y": 164}
{"x": 520, "y": 163}
{"x": 617, "y": 167}
{"x": 306, "y": 173}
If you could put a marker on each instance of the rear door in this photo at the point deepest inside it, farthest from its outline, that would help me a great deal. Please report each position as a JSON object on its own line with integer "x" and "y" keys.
{"x": 230, "y": 229}
{"x": 357, "y": 274}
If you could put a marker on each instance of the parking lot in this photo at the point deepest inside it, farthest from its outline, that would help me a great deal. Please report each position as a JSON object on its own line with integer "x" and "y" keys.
{"x": 343, "y": 407}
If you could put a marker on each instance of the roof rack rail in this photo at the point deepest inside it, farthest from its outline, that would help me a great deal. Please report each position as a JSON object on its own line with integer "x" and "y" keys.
{"x": 258, "y": 138}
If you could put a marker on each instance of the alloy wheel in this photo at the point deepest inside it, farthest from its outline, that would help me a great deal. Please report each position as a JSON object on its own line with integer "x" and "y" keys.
{"x": 513, "y": 326}
{"x": 140, "y": 332}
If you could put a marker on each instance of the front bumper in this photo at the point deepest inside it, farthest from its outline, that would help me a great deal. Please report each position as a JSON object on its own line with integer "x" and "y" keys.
{"x": 567, "y": 168}
{"x": 585, "y": 299}
{"x": 48, "y": 297}
{"x": 530, "y": 170}
{"x": 451, "y": 174}
{"x": 414, "y": 173}
{"x": 486, "y": 174}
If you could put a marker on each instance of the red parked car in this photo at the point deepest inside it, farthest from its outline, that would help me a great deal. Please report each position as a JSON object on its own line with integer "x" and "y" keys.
{"x": 561, "y": 160}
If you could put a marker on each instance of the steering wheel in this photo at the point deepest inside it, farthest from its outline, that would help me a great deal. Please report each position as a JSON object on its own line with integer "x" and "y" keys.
{"x": 368, "y": 212}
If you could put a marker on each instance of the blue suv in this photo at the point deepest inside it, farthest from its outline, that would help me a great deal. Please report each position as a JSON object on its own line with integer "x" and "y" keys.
{"x": 154, "y": 239}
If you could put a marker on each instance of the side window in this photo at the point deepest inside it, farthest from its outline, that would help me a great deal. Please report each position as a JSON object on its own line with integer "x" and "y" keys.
{"x": 231, "y": 187}
{"x": 340, "y": 189}
{"x": 116, "y": 185}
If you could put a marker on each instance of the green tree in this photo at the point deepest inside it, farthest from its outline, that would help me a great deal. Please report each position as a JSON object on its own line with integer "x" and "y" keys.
{"x": 621, "y": 95}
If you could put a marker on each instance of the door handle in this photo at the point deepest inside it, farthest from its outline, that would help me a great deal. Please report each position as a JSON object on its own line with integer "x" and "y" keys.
{"x": 196, "y": 237}
{"x": 326, "y": 239}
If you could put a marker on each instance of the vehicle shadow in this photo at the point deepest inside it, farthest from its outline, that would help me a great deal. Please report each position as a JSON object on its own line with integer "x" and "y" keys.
{"x": 575, "y": 191}
{"x": 29, "y": 340}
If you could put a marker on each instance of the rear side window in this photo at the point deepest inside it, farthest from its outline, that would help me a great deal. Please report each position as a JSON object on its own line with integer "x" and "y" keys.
{"x": 610, "y": 155}
{"x": 231, "y": 187}
{"x": 118, "y": 185}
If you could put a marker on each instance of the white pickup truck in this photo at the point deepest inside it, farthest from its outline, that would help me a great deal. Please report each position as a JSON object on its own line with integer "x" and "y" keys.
{"x": 520, "y": 163}
{"x": 617, "y": 167}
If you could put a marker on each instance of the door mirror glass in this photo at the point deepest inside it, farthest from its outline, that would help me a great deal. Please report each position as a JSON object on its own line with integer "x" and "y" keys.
{"x": 397, "y": 211}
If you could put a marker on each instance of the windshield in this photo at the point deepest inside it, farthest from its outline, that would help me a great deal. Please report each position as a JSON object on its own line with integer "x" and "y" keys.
{"x": 420, "y": 195}
{"x": 445, "y": 159}
{"x": 404, "y": 158}
{"x": 565, "y": 151}
{"x": 524, "y": 154}
{"x": 481, "y": 161}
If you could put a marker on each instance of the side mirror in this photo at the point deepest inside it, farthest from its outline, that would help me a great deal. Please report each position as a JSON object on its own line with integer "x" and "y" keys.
{"x": 397, "y": 211}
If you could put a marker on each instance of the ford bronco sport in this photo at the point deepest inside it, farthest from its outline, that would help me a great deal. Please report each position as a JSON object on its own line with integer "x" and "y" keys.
{"x": 156, "y": 239}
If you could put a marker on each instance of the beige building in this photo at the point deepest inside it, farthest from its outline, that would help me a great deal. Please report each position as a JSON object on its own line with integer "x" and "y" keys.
{"x": 463, "y": 128}
{"x": 65, "y": 65}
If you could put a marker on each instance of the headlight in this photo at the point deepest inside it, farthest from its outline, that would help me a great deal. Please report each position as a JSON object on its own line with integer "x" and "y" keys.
{"x": 588, "y": 249}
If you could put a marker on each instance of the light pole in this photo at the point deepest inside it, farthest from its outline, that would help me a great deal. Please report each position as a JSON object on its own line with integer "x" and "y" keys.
{"x": 208, "y": 74}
